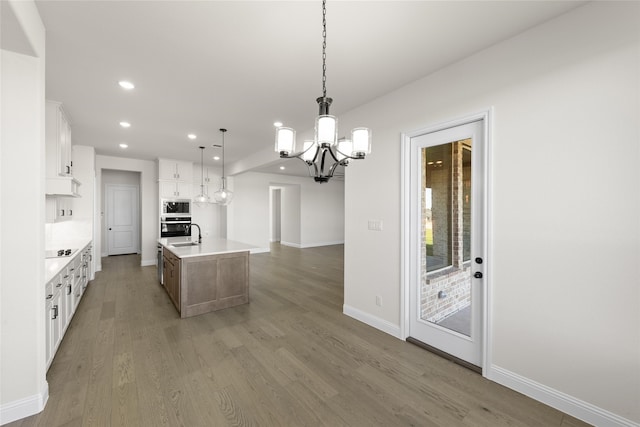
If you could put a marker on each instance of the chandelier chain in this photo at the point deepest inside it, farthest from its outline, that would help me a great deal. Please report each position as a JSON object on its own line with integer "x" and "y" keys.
{"x": 324, "y": 48}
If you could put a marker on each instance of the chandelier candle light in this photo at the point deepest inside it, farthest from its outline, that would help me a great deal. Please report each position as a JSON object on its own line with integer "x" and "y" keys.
{"x": 202, "y": 197}
{"x": 325, "y": 152}
{"x": 223, "y": 196}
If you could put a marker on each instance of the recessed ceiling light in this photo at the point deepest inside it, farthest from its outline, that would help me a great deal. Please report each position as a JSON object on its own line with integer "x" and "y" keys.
{"x": 123, "y": 145}
{"x": 126, "y": 85}
{"x": 192, "y": 136}
{"x": 282, "y": 168}
{"x": 277, "y": 124}
{"x": 125, "y": 124}
{"x": 216, "y": 157}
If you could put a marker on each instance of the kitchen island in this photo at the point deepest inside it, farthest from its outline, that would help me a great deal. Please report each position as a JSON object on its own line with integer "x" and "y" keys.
{"x": 205, "y": 277}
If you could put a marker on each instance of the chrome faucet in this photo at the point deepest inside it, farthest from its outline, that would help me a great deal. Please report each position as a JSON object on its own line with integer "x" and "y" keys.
{"x": 199, "y": 232}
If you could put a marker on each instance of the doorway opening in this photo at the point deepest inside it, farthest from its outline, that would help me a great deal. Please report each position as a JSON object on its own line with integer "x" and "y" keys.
{"x": 121, "y": 213}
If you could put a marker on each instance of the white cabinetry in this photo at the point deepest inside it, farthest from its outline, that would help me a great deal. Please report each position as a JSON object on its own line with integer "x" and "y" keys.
{"x": 62, "y": 295}
{"x": 175, "y": 190}
{"x": 175, "y": 170}
{"x": 175, "y": 179}
{"x": 58, "y": 163}
{"x": 59, "y": 209}
{"x": 58, "y": 141}
{"x": 54, "y": 318}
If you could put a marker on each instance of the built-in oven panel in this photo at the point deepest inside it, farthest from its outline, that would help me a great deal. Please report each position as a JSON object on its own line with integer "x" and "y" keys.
{"x": 171, "y": 207}
{"x": 175, "y": 226}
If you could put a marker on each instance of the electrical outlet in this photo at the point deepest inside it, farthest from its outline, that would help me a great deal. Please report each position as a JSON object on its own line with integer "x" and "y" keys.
{"x": 378, "y": 301}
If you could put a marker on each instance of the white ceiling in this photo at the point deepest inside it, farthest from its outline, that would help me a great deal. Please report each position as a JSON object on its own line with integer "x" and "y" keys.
{"x": 202, "y": 65}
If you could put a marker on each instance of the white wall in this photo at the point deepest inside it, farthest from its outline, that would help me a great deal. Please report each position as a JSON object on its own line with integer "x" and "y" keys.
{"x": 564, "y": 232}
{"x": 290, "y": 212}
{"x": 23, "y": 385}
{"x": 149, "y": 204}
{"x": 319, "y": 212}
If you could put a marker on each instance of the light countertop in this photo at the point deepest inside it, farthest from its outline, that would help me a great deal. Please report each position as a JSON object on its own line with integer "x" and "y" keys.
{"x": 209, "y": 246}
{"x": 54, "y": 266}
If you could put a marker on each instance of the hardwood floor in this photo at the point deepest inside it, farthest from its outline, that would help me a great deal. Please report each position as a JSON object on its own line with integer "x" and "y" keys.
{"x": 289, "y": 358}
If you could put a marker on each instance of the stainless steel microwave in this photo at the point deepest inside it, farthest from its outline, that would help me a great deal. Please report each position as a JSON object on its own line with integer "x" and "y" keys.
{"x": 175, "y": 207}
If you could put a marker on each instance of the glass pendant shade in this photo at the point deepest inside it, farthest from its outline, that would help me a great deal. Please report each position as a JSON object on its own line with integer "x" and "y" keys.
{"x": 345, "y": 148}
{"x": 285, "y": 140}
{"x": 201, "y": 198}
{"x": 326, "y": 130}
{"x": 223, "y": 196}
{"x": 361, "y": 138}
{"x": 310, "y": 148}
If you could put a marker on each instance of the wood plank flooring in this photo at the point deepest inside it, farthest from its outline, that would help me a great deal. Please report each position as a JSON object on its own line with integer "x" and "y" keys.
{"x": 289, "y": 358}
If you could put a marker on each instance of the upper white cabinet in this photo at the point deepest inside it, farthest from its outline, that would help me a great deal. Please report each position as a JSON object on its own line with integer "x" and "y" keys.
{"x": 175, "y": 170}
{"x": 175, "y": 179}
{"x": 58, "y": 141}
{"x": 58, "y": 163}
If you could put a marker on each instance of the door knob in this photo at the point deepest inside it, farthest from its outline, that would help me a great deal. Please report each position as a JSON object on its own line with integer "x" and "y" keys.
{"x": 477, "y": 275}
{"x": 478, "y": 260}
{"x": 109, "y": 228}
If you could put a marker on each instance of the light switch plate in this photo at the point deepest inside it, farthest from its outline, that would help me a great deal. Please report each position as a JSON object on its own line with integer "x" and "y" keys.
{"x": 375, "y": 224}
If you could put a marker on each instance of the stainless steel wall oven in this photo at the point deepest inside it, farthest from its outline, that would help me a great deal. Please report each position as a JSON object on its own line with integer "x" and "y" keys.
{"x": 175, "y": 207}
{"x": 175, "y": 226}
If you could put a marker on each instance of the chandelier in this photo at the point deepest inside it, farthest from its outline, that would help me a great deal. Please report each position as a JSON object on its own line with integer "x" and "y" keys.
{"x": 223, "y": 196}
{"x": 325, "y": 152}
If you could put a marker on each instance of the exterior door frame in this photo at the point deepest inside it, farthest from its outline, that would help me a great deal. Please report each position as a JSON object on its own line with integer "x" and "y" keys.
{"x": 405, "y": 224}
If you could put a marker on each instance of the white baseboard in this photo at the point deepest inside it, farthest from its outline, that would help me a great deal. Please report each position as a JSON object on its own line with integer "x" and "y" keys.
{"x": 312, "y": 245}
{"x": 148, "y": 262}
{"x": 373, "y": 321}
{"x": 24, "y": 408}
{"x": 561, "y": 401}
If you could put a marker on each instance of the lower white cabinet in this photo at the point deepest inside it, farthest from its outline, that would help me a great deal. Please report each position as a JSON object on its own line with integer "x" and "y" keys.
{"x": 53, "y": 317}
{"x": 62, "y": 295}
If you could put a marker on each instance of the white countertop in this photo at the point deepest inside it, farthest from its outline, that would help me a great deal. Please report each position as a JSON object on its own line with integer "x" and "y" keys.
{"x": 209, "y": 246}
{"x": 53, "y": 266}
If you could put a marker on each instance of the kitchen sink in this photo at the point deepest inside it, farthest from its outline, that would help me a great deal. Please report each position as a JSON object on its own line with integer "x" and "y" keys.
{"x": 180, "y": 245}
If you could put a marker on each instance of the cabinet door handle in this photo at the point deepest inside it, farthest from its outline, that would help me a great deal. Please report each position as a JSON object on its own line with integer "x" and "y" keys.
{"x": 68, "y": 169}
{"x": 68, "y": 289}
{"x": 49, "y": 296}
{"x": 55, "y": 312}
{"x": 70, "y": 212}
{"x": 58, "y": 285}
{"x": 61, "y": 212}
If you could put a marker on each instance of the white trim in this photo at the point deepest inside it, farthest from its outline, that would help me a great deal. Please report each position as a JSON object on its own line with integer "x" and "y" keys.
{"x": 148, "y": 262}
{"x": 259, "y": 250}
{"x": 23, "y": 408}
{"x": 373, "y": 321}
{"x": 561, "y": 401}
{"x": 293, "y": 245}
{"x": 312, "y": 245}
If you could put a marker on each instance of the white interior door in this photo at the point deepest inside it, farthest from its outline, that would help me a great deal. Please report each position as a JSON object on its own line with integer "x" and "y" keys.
{"x": 122, "y": 219}
{"x": 447, "y": 240}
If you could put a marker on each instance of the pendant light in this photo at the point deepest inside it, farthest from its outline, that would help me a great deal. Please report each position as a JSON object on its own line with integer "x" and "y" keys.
{"x": 325, "y": 152}
{"x": 223, "y": 196}
{"x": 201, "y": 198}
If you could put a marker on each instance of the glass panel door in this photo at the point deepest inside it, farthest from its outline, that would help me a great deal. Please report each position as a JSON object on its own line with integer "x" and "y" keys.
{"x": 447, "y": 240}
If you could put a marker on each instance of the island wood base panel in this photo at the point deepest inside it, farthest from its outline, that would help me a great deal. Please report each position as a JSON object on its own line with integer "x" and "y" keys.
{"x": 209, "y": 283}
